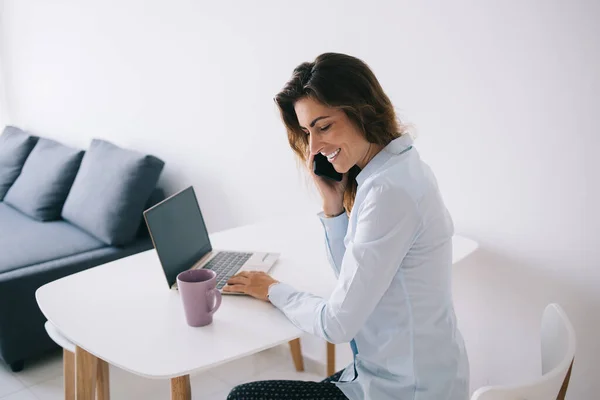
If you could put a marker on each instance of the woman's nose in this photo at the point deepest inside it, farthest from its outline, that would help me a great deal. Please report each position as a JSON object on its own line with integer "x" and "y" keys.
{"x": 315, "y": 145}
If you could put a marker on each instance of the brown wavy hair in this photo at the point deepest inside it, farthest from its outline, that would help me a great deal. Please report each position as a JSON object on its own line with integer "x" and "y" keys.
{"x": 347, "y": 83}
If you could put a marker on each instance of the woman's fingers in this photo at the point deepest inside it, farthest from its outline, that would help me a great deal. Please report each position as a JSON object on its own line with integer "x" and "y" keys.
{"x": 309, "y": 162}
{"x": 252, "y": 283}
{"x": 239, "y": 279}
{"x": 235, "y": 288}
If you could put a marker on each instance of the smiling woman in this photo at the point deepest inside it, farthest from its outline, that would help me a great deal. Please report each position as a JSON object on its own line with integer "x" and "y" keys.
{"x": 337, "y": 104}
{"x": 389, "y": 243}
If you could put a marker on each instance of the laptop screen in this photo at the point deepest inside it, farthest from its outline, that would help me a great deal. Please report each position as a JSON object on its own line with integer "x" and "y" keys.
{"x": 178, "y": 232}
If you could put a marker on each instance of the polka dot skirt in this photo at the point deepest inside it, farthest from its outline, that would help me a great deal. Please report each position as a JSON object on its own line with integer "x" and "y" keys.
{"x": 292, "y": 390}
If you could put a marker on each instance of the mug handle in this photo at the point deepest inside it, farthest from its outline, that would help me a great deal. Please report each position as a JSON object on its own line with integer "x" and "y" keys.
{"x": 217, "y": 294}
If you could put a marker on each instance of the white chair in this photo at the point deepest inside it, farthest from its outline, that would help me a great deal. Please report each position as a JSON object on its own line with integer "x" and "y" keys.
{"x": 558, "y": 352}
{"x": 102, "y": 377}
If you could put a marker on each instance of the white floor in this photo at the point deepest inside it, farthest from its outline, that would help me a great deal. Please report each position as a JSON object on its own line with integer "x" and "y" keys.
{"x": 43, "y": 379}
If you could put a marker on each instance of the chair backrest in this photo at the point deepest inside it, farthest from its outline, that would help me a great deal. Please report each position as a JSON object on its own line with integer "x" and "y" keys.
{"x": 558, "y": 350}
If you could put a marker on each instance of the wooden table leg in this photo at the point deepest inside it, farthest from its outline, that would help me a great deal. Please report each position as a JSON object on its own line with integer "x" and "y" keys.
{"x": 180, "y": 388}
{"x": 69, "y": 374}
{"x": 85, "y": 378}
{"x": 330, "y": 359}
{"x": 565, "y": 385}
{"x": 103, "y": 385}
{"x": 297, "y": 354}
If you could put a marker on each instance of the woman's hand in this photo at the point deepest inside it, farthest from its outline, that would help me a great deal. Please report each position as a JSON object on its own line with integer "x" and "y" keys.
{"x": 253, "y": 283}
{"x": 332, "y": 192}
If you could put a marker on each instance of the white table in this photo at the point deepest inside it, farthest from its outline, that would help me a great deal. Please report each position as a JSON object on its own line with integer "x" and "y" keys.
{"x": 124, "y": 313}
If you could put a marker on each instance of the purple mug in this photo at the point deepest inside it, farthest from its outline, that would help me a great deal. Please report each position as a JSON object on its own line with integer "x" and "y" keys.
{"x": 199, "y": 294}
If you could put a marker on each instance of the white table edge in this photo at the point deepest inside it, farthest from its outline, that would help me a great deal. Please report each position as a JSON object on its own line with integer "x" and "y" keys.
{"x": 175, "y": 374}
{"x": 472, "y": 247}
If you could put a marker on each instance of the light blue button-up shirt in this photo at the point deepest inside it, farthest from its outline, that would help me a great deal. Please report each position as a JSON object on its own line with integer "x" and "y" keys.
{"x": 393, "y": 260}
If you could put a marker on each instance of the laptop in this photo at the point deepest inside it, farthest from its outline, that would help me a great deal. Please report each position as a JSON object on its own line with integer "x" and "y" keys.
{"x": 181, "y": 241}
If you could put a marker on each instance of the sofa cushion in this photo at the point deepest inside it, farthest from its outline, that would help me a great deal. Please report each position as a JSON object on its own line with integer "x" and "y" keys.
{"x": 110, "y": 190}
{"x": 156, "y": 197}
{"x": 46, "y": 178}
{"x": 25, "y": 241}
{"x": 15, "y": 146}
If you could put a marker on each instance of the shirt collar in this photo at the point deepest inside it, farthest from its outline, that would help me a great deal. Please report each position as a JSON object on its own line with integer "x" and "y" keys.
{"x": 394, "y": 148}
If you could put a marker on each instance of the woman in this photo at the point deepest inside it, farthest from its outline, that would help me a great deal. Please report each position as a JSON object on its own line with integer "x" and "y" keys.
{"x": 389, "y": 241}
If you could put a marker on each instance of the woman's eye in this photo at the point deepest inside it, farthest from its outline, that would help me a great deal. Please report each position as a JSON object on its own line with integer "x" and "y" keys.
{"x": 323, "y": 129}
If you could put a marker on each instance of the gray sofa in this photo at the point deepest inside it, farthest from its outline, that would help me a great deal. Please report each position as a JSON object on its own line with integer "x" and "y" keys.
{"x": 63, "y": 210}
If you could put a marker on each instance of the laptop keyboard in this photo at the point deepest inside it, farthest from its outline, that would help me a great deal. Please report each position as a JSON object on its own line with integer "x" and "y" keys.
{"x": 226, "y": 264}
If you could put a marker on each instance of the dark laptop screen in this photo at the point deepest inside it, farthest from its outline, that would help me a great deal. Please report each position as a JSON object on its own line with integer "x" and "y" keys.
{"x": 178, "y": 232}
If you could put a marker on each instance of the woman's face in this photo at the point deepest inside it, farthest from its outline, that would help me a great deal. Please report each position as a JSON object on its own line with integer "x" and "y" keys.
{"x": 331, "y": 133}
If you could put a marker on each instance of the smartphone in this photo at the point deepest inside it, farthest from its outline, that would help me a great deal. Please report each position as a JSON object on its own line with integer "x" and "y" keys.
{"x": 324, "y": 168}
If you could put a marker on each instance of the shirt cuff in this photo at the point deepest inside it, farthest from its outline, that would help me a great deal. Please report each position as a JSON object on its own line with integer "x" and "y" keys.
{"x": 335, "y": 227}
{"x": 280, "y": 293}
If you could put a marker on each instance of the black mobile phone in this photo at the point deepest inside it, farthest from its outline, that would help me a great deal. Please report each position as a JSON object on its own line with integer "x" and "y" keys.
{"x": 324, "y": 168}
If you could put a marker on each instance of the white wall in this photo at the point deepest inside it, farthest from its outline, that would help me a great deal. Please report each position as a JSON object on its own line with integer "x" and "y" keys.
{"x": 3, "y": 104}
{"x": 504, "y": 97}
